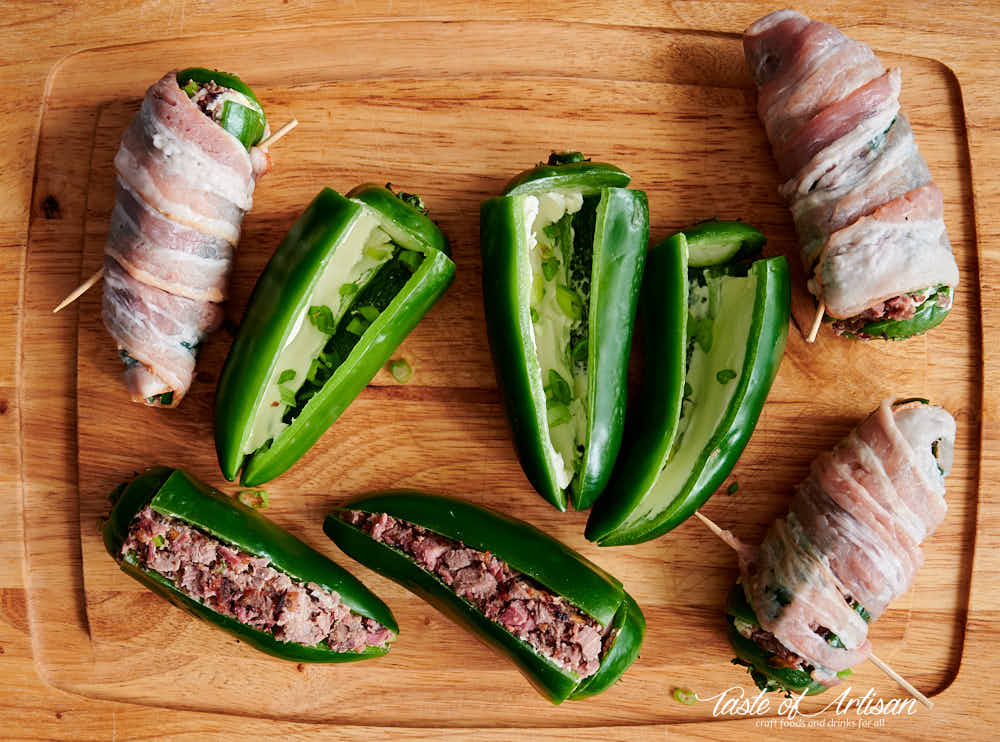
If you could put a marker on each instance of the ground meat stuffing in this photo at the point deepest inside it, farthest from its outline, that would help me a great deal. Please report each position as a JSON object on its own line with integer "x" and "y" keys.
{"x": 896, "y": 308}
{"x": 553, "y": 627}
{"x": 210, "y": 99}
{"x": 247, "y": 588}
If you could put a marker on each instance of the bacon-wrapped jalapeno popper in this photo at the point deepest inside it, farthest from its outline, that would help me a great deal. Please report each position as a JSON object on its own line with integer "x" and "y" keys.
{"x": 344, "y": 288}
{"x": 229, "y": 566}
{"x": 185, "y": 176}
{"x": 849, "y": 545}
{"x": 868, "y": 215}
{"x": 563, "y": 253}
{"x": 714, "y": 336}
{"x": 567, "y": 624}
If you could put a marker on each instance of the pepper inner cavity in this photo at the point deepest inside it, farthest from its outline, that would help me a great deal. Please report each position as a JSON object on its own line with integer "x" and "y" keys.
{"x": 561, "y": 242}
{"x": 248, "y": 588}
{"x": 554, "y": 628}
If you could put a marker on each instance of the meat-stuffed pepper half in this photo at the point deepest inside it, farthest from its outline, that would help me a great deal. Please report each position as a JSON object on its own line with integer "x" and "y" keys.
{"x": 229, "y": 566}
{"x": 348, "y": 283}
{"x": 567, "y": 624}
{"x": 563, "y": 252}
{"x": 185, "y": 176}
{"x": 869, "y": 218}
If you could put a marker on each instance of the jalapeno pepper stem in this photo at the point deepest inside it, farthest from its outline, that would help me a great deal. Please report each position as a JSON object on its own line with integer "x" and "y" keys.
{"x": 731, "y": 541}
{"x": 278, "y": 134}
{"x": 80, "y": 290}
{"x": 84, "y": 287}
{"x": 817, "y": 321}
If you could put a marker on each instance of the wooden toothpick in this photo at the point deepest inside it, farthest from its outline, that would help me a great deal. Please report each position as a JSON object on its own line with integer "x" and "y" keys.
{"x": 729, "y": 540}
{"x": 817, "y": 321}
{"x": 265, "y": 145}
{"x": 80, "y": 290}
{"x": 84, "y": 287}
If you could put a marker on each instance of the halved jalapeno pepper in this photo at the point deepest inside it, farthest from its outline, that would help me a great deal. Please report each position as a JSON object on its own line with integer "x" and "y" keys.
{"x": 175, "y": 495}
{"x": 348, "y": 283}
{"x": 576, "y": 583}
{"x": 563, "y": 254}
{"x": 714, "y": 338}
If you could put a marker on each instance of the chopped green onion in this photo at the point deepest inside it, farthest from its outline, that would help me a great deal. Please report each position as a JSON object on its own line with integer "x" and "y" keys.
{"x": 733, "y": 488}
{"x": 369, "y": 312}
{"x": 411, "y": 259}
{"x": 579, "y": 352}
{"x": 191, "y": 88}
{"x": 844, "y": 674}
{"x": 550, "y": 267}
{"x": 569, "y": 302}
{"x": 558, "y": 414}
{"x": 861, "y": 611}
{"x": 537, "y": 290}
{"x": 534, "y": 315}
{"x": 400, "y": 370}
{"x": 357, "y": 326}
{"x": 348, "y": 289}
{"x": 164, "y": 399}
{"x": 256, "y": 499}
{"x": 725, "y": 376}
{"x": 157, "y": 541}
{"x": 287, "y": 375}
{"x": 379, "y": 252}
{"x": 685, "y": 696}
{"x": 558, "y": 389}
{"x": 322, "y": 319}
{"x": 287, "y": 396}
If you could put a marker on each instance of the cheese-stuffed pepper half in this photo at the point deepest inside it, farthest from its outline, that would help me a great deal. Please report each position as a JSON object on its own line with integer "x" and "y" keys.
{"x": 715, "y": 326}
{"x": 563, "y": 252}
{"x": 348, "y": 283}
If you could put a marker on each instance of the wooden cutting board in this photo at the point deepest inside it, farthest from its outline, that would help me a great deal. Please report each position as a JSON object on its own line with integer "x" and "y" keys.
{"x": 387, "y": 102}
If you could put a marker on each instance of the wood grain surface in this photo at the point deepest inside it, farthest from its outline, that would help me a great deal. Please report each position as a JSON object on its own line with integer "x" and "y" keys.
{"x": 468, "y": 104}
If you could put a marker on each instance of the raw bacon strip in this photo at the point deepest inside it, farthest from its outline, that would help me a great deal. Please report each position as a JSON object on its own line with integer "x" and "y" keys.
{"x": 164, "y": 253}
{"x": 901, "y": 247}
{"x": 853, "y": 535}
{"x": 159, "y": 330}
{"x": 184, "y": 184}
{"x": 868, "y": 216}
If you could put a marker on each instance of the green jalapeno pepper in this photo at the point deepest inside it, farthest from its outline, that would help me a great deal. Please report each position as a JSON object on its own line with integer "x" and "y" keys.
{"x": 766, "y": 673}
{"x": 714, "y": 338}
{"x": 174, "y": 493}
{"x": 242, "y": 114}
{"x": 348, "y": 283}
{"x": 522, "y": 547}
{"x": 929, "y": 314}
{"x": 563, "y": 253}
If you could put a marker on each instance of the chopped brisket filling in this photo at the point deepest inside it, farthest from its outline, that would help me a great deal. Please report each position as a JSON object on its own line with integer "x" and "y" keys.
{"x": 247, "y": 588}
{"x": 211, "y": 98}
{"x": 554, "y": 628}
{"x": 897, "y": 308}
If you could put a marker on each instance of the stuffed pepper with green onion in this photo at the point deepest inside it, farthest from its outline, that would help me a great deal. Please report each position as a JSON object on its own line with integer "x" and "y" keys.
{"x": 226, "y": 564}
{"x": 568, "y": 625}
{"x": 715, "y": 330}
{"x": 345, "y": 287}
{"x": 563, "y": 252}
